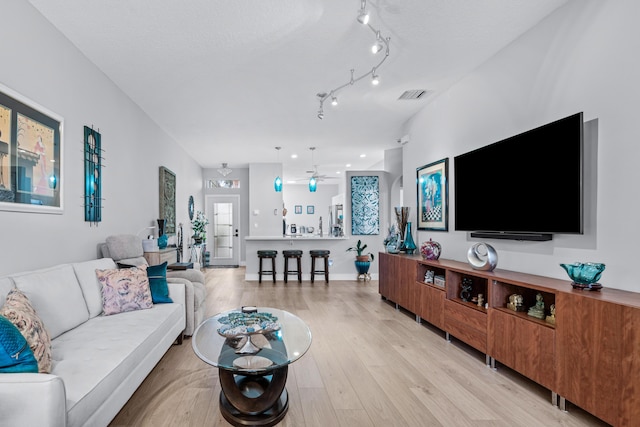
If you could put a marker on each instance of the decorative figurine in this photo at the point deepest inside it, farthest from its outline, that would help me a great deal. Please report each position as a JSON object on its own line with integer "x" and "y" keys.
{"x": 552, "y": 317}
{"x": 537, "y": 310}
{"x": 515, "y": 302}
{"x": 480, "y": 300}
{"x": 428, "y": 276}
{"x": 467, "y": 287}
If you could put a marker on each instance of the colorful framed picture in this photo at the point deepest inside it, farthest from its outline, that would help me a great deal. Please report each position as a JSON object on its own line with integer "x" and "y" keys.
{"x": 167, "y": 202}
{"x": 310, "y": 209}
{"x": 297, "y": 209}
{"x": 30, "y": 156}
{"x": 433, "y": 196}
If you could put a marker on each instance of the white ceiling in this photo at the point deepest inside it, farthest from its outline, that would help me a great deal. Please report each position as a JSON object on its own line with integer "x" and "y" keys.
{"x": 231, "y": 80}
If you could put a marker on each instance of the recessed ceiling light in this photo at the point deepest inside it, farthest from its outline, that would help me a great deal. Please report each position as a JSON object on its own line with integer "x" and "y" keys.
{"x": 294, "y": 156}
{"x": 363, "y": 155}
{"x": 338, "y": 172}
{"x": 348, "y": 165}
{"x": 291, "y": 182}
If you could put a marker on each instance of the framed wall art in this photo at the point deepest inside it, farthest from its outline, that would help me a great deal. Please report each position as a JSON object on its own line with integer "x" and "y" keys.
{"x": 92, "y": 175}
{"x": 365, "y": 205}
{"x": 168, "y": 200}
{"x": 310, "y": 209}
{"x": 30, "y": 155}
{"x": 433, "y": 196}
{"x": 297, "y": 209}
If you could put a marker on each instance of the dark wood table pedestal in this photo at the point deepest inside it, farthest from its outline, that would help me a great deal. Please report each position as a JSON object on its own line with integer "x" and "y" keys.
{"x": 259, "y": 399}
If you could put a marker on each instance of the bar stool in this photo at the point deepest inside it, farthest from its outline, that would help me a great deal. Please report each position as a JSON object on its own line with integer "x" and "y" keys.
{"x": 319, "y": 253}
{"x": 294, "y": 254}
{"x": 267, "y": 254}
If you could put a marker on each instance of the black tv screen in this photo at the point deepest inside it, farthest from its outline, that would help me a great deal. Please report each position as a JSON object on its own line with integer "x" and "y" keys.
{"x": 528, "y": 183}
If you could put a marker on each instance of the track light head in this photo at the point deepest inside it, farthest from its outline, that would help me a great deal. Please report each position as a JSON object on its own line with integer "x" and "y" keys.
{"x": 375, "y": 80}
{"x": 320, "y": 114}
{"x": 363, "y": 17}
{"x": 334, "y": 101}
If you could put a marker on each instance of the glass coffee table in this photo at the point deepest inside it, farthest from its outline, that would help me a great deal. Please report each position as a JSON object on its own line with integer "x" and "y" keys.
{"x": 252, "y": 348}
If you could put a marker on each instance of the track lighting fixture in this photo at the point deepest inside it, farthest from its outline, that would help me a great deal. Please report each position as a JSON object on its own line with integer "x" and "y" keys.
{"x": 380, "y": 44}
{"x": 377, "y": 47}
{"x": 363, "y": 15}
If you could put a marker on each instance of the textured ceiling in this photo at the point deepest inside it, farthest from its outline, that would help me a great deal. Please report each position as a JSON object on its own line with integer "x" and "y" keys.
{"x": 231, "y": 80}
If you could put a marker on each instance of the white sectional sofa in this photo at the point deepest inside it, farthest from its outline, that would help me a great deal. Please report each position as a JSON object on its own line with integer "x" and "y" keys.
{"x": 98, "y": 361}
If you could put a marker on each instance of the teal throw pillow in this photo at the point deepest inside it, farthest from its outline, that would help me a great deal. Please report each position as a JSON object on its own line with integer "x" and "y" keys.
{"x": 157, "y": 275}
{"x": 15, "y": 353}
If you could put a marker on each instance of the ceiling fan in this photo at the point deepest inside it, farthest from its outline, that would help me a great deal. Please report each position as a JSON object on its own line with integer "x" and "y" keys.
{"x": 314, "y": 171}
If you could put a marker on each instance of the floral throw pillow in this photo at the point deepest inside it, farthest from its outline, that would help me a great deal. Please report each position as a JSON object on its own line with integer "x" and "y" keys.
{"x": 20, "y": 312}
{"x": 124, "y": 290}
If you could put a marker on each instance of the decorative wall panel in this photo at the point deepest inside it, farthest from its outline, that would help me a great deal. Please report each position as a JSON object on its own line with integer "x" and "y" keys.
{"x": 365, "y": 205}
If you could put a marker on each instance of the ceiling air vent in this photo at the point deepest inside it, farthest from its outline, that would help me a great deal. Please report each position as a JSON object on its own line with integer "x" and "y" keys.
{"x": 414, "y": 94}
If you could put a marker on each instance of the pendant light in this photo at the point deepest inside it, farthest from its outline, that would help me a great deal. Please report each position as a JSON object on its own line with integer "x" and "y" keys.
{"x": 313, "y": 182}
{"x": 277, "y": 183}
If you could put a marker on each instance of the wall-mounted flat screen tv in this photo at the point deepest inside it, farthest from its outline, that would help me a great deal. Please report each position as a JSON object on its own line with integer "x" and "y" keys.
{"x": 526, "y": 187}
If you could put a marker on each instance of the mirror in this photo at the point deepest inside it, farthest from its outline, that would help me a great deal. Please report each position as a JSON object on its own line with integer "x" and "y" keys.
{"x": 190, "y": 208}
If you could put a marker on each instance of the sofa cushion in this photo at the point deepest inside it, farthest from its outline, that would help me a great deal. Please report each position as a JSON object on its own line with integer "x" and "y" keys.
{"x": 19, "y": 311}
{"x": 91, "y": 288}
{"x": 157, "y": 275}
{"x": 56, "y": 296}
{"x": 124, "y": 246}
{"x": 124, "y": 290}
{"x": 15, "y": 353}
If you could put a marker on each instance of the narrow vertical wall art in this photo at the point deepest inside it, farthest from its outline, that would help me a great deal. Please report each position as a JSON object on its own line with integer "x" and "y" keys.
{"x": 92, "y": 176}
{"x": 365, "y": 205}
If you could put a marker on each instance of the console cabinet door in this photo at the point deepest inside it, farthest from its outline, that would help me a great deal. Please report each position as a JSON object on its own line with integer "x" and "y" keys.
{"x": 409, "y": 291}
{"x": 523, "y": 345}
{"x": 466, "y": 324}
{"x": 590, "y": 351}
{"x": 432, "y": 305}
{"x": 388, "y": 280}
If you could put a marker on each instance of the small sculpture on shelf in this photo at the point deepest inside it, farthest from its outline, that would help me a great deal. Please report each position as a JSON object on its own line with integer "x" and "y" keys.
{"x": 467, "y": 287}
{"x": 480, "y": 300}
{"x": 428, "y": 276}
{"x": 551, "y": 318}
{"x": 537, "y": 310}
{"x": 515, "y": 302}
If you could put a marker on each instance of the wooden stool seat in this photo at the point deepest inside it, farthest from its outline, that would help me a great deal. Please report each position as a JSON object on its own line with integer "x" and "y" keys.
{"x": 297, "y": 255}
{"x": 262, "y": 254}
{"x": 320, "y": 253}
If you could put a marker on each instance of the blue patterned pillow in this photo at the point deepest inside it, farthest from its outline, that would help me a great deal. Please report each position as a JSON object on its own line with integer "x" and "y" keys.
{"x": 157, "y": 275}
{"x": 15, "y": 353}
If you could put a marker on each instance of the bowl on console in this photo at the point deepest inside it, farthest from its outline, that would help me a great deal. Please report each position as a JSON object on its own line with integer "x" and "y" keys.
{"x": 585, "y": 275}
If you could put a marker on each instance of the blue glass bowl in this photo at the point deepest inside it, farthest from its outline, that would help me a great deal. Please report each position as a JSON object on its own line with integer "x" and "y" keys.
{"x": 584, "y": 274}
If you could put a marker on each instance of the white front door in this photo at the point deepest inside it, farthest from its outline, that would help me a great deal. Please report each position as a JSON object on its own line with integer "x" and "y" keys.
{"x": 223, "y": 234}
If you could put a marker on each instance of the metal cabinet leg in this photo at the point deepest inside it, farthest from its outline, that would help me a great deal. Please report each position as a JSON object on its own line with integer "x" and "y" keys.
{"x": 493, "y": 363}
{"x": 488, "y": 360}
{"x": 563, "y": 404}
{"x": 447, "y": 336}
{"x": 554, "y": 398}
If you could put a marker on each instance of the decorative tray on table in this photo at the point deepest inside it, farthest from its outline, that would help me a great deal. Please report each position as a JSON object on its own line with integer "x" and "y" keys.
{"x": 240, "y": 327}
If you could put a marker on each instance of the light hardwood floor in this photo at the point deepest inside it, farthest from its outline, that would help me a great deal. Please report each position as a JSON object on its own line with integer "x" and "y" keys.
{"x": 369, "y": 365}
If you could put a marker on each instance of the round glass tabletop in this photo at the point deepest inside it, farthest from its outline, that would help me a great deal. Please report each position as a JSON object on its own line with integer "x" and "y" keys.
{"x": 258, "y": 340}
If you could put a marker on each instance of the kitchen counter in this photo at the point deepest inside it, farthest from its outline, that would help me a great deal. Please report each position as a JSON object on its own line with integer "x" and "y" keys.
{"x": 341, "y": 262}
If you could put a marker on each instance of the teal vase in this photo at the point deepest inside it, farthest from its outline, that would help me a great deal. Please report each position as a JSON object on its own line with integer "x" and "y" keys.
{"x": 409, "y": 245}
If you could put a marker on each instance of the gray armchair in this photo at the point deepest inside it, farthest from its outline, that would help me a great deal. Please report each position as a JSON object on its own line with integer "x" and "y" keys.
{"x": 127, "y": 249}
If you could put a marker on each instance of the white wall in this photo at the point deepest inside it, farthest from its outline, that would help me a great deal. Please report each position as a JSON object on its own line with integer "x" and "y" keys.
{"x": 265, "y": 205}
{"x": 584, "y": 57}
{"x": 295, "y": 194}
{"x": 39, "y": 63}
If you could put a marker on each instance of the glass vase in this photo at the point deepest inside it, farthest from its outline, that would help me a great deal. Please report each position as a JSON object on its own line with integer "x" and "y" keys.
{"x": 409, "y": 245}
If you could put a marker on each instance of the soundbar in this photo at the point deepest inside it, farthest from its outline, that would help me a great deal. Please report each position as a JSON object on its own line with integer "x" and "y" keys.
{"x": 531, "y": 237}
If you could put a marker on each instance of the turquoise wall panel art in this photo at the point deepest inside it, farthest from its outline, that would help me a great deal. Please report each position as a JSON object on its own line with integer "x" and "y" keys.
{"x": 365, "y": 205}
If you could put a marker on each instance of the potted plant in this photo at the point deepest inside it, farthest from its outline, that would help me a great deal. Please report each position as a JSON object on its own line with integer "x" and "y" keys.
{"x": 199, "y": 226}
{"x": 362, "y": 262}
{"x": 359, "y": 248}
